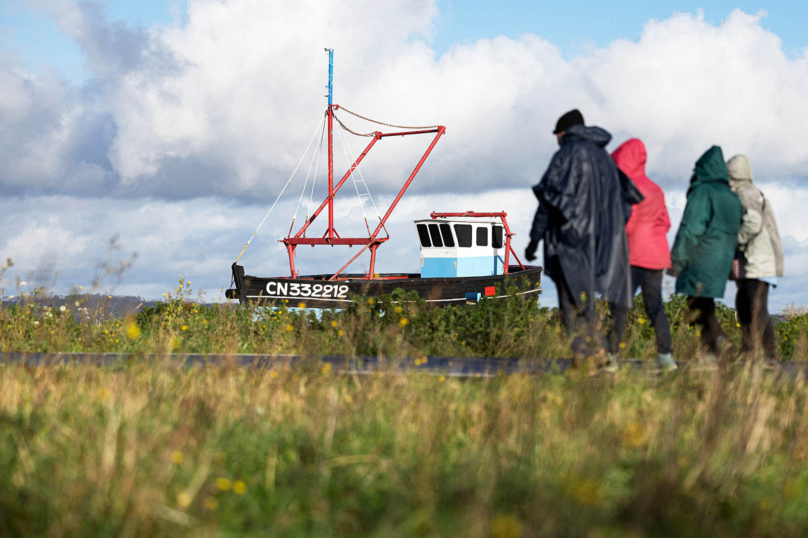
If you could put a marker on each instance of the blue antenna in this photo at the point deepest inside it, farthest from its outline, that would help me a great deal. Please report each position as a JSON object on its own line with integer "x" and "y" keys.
{"x": 330, "y": 75}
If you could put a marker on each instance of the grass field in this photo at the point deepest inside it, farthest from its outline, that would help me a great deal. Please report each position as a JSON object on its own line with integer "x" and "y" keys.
{"x": 147, "y": 449}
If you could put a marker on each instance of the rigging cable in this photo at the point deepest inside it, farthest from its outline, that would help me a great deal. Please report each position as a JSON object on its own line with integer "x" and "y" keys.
{"x": 359, "y": 196}
{"x": 314, "y": 179}
{"x": 308, "y": 174}
{"x": 350, "y": 159}
{"x": 282, "y": 190}
{"x": 352, "y": 132}
{"x": 386, "y": 124}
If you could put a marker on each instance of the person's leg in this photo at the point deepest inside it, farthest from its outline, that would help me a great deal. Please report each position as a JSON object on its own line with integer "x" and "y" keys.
{"x": 620, "y": 314}
{"x": 618, "y": 328}
{"x": 565, "y": 306}
{"x": 762, "y": 321}
{"x": 570, "y": 313}
{"x": 711, "y": 331}
{"x": 768, "y": 339}
{"x": 717, "y": 335}
{"x": 743, "y": 307}
{"x": 655, "y": 309}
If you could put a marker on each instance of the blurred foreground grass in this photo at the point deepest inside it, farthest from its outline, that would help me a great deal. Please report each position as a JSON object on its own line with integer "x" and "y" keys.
{"x": 150, "y": 450}
{"x": 147, "y": 449}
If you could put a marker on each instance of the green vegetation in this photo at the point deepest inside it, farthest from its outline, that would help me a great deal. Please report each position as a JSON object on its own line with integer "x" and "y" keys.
{"x": 151, "y": 450}
{"x": 389, "y": 326}
{"x": 148, "y": 449}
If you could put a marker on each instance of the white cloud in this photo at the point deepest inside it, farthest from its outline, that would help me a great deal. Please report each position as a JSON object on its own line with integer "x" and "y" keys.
{"x": 224, "y": 104}
{"x": 217, "y": 112}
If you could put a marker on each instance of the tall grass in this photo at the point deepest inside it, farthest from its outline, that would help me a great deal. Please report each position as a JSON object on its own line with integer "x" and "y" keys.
{"x": 150, "y": 450}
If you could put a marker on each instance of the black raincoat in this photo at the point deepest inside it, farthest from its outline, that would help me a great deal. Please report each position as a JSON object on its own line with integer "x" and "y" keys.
{"x": 584, "y": 204}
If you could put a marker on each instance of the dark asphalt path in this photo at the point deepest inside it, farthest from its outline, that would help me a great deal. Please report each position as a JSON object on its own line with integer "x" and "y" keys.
{"x": 449, "y": 366}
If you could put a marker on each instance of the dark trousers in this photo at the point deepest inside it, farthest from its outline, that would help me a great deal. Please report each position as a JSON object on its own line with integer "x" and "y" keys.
{"x": 712, "y": 335}
{"x": 650, "y": 282}
{"x": 579, "y": 320}
{"x": 752, "y": 305}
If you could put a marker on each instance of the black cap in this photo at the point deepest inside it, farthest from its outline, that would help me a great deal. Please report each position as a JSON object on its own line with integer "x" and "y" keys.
{"x": 573, "y": 117}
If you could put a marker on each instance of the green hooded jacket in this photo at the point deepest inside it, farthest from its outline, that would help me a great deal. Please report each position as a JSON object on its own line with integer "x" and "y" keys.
{"x": 708, "y": 235}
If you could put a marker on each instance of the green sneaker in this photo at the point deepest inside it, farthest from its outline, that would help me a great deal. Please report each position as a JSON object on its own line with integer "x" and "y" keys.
{"x": 666, "y": 362}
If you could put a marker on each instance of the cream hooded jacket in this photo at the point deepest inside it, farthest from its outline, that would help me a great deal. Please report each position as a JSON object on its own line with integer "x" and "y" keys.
{"x": 758, "y": 239}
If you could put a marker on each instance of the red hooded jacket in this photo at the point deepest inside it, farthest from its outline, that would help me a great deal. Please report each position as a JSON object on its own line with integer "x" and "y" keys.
{"x": 647, "y": 228}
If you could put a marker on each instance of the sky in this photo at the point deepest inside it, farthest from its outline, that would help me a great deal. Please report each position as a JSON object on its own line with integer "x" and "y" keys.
{"x": 172, "y": 125}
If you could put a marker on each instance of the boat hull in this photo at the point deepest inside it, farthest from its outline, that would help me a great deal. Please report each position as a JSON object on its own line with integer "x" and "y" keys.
{"x": 316, "y": 291}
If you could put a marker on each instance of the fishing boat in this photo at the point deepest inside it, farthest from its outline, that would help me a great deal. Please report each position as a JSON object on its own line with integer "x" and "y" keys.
{"x": 465, "y": 257}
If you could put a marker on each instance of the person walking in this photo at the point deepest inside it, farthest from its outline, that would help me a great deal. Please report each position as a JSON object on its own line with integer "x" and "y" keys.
{"x": 648, "y": 252}
{"x": 705, "y": 244}
{"x": 581, "y": 219}
{"x": 760, "y": 260}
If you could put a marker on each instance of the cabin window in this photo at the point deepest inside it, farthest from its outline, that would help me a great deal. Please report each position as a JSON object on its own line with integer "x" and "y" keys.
{"x": 482, "y": 237}
{"x": 423, "y": 235}
{"x": 496, "y": 237}
{"x": 463, "y": 233}
{"x": 434, "y": 233}
{"x": 446, "y": 232}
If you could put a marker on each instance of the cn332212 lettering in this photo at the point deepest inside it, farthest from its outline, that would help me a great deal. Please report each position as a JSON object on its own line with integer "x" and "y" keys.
{"x": 296, "y": 289}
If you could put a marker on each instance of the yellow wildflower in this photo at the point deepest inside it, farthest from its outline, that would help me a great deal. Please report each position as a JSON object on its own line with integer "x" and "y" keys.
{"x": 586, "y": 491}
{"x": 176, "y": 457}
{"x": 641, "y": 321}
{"x": 403, "y": 322}
{"x": 184, "y": 327}
{"x": 289, "y": 328}
{"x": 223, "y": 483}
{"x": 239, "y": 487}
{"x": 340, "y": 333}
{"x": 184, "y": 500}
{"x": 417, "y": 362}
{"x": 506, "y": 526}
{"x": 301, "y": 305}
{"x": 399, "y": 310}
{"x": 273, "y": 374}
{"x": 633, "y": 435}
{"x": 333, "y": 323}
{"x": 347, "y": 398}
{"x": 132, "y": 331}
{"x": 326, "y": 368}
{"x": 442, "y": 378}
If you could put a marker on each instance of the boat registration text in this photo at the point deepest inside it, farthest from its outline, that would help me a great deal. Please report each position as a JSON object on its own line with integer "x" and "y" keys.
{"x": 295, "y": 289}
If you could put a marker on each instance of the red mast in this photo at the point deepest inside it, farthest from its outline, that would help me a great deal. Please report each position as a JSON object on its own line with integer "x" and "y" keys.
{"x": 331, "y": 237}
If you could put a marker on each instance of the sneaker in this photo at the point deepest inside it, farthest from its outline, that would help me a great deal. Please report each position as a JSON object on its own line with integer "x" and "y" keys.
{"x": 611, "y": 366}
{"x": 666, "y": 362}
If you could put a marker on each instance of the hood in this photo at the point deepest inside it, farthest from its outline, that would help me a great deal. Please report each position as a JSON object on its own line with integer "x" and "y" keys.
{"x": 630, "y": 157}
{"x": 739, "y": 170}
{"x": 596, "y": 135}
{"x": 710, "y": 168}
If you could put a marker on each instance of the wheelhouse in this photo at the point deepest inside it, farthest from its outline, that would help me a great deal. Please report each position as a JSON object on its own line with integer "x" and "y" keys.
{"x": 461, "y": 247}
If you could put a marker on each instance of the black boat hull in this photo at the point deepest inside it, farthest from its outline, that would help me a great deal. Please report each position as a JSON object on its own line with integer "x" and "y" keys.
{"x": 316, "y": 291}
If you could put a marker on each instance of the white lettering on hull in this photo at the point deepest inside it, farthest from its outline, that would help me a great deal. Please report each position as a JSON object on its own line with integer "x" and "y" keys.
{"x": 296, "y": 289}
